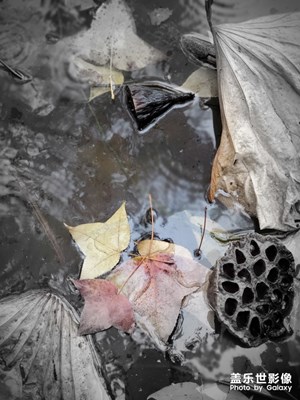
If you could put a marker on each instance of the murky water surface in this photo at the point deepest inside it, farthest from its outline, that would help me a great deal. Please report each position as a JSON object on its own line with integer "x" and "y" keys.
{"x": 66, "y": 160}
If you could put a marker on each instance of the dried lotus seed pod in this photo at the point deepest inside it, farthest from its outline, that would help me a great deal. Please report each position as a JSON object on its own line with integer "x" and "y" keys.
{"x": 252, "y": 290}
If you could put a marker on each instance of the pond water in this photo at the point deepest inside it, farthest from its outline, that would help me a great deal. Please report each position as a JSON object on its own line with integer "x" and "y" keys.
{"x": 66, "y": 160}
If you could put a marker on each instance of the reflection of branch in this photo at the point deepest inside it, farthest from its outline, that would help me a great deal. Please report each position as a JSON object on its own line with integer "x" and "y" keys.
{"x": 152, "y": 224}
{"x": 107, "y": 145}
{"x": 43, "y": 222}
{"x": 47, "y": 231}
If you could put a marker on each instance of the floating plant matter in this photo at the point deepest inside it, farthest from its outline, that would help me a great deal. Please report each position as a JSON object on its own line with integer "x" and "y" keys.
{"x": 149, "y": 100}
{"x": 251, "y": 289}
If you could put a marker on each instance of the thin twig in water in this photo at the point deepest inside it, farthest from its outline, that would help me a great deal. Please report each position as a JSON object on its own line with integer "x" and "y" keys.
{"x": 152, "y": 223}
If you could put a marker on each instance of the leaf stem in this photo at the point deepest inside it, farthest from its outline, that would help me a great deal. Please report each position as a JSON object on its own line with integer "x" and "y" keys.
{"x": 110, "y": 73}
{"x": 135, "y": 269}
{"x": 152, "y": 218}
{"x": 197, "y": 252}
{"x": 150, "y": 247}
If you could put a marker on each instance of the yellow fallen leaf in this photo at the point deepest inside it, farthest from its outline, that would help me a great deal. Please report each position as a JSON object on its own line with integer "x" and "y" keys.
{"x": 102, "y": 243}
{"x": 149, "y": 248}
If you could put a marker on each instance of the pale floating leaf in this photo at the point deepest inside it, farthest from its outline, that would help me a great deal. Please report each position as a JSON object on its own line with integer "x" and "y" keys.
{"x": 258, "y": 161}
{"x": 42, "y": 352}
{"x": 202, "y": 82}
{"x": 198, "y": 312}
{"x": 102, "y": 243}
{"x": 113, "y": 38}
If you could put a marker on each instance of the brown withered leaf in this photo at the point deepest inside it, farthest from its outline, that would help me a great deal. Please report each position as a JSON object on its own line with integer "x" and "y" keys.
{"x": 258, "y": 162}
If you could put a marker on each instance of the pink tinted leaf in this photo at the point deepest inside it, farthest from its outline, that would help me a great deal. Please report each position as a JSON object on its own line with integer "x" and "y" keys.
{"x": 156, "y": 288}
{"x": 103, "y": 307}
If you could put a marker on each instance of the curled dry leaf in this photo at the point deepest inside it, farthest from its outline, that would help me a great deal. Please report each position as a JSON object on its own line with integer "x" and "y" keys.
{"x": 104, "y": 307}
{"x": 156, "y": 287}
{"x": 258, "y": 160}
{"x": 102, "y": 243}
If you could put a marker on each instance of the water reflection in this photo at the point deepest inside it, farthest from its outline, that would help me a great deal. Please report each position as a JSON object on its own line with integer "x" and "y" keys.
{"x": 79, "y": 161}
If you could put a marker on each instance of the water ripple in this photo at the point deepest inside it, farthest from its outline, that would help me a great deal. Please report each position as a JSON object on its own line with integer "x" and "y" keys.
{"x": 15, "y": 43}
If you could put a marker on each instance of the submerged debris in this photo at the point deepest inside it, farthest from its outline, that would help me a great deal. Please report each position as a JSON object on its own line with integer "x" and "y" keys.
{"x": 150, "y": 100}
{"x": 159, "y": 15}
{"x": 251, "y": 289}
{"x": 17, "y": 74}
